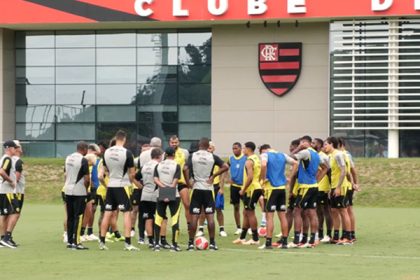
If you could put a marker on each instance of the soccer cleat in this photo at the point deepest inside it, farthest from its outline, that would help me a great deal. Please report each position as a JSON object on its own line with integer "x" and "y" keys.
{"x": 141, "y": 241}
{"x": 69, "y": 246}
{"x": 8, "y": 244}
{"x": 156, "y": 248}
{"x": 84, "y": 238}
{"x": 190, "y": 247}
{"x": 239, "y": 241}
{"x": 151, "y": 245}
{"x": 213, "y": 247}
{"x": 238, "y": 231}
{"x": 129, "y": 247}
{"x": 283, "y": 246}
{"x": 132, "y": 233}
{"x": 265, "y": 247}
{"x": 344, "y": 241}
{"x": 165, "y": 245}
{"x": 334, "y": 241}
{"x": 109, "y": 235}
{"x": 13, "y": 242}
{"x": 252, "y": 242}
{"x": 293, "y": 245}
{"x": 92, "y": 237}
{"x": 175, "y": 248}
{"x": 102, "y": 247}
{"x": 278, "y": 235}
{"x": 107, "y": 240}
{"x": 223, "y": 233}
{"x": 199, "y": 233}
{"x": 65, "y": 237}
{"x": 326, "y": 239}
{"x": 121, "y": 238}
{"x": 79, "y": 247}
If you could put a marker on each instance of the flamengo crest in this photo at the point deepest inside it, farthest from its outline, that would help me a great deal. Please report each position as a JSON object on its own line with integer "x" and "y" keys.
{"x": 280, "y": 65}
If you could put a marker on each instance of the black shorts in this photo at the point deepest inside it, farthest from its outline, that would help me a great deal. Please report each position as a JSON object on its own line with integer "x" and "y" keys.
{"x": 9, "y": 204}
{"x": 251, "y": 201}
{"x": 63, "y": 197}
{"x": 91, "y": 196}
{"x": 174, "y": 209}
{"x": 350, "y": 194}
{"x": 182, "y": 186}
{"x": 323, "y": 198}
{"x": 135, "y": 197}
{"x": 235, "y": 197}
{"x": 338, "y": 202}
{"x": 275, "y": 201}
{"x": 307, "y": 198}
{"x": 100, "y": 202}
{"x": 118, "y": 198}
{"x": 292, "y": 200}
{"x": 147, "y": 209}
{"x": 201, "y": 199}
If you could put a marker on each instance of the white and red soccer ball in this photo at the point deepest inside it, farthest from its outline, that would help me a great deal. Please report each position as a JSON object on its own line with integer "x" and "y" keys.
{"x": 201, "y": 243}
{"x": 262, "y": 231}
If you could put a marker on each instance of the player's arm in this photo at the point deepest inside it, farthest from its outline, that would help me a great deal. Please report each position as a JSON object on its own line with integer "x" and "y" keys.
{"x": 5, "y": 168}
{"x": 264, "y": 162}
{"x": 342, "y": 165}
{"x": 102, "y": 171}
{"x": 353, "y": 172}
{"x": 322, "y": 171}
{"x": 132, "y": 170}
{"x": 293, "y": 177}
{"x": 249, "y": 175}
{"x": 223, "y": 167}
{"x": 177, "y": 176}
{"x": 85, "y": 172}
{"x": 186, "y": 171}
{"x": 156, "y": 178}
{"x": 19, "y": 169}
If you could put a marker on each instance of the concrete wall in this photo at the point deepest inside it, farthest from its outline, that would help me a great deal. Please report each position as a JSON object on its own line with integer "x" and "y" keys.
{"x": 243, "y": 109}
{"x": 7, "y": 85}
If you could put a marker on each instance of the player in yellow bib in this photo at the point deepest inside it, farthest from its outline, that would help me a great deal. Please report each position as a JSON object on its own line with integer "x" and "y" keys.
{"x": 250, "y": 193}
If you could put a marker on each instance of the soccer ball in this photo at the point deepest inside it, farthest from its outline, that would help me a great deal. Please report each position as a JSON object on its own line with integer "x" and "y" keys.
{"x": 262, "y": 231}
{"x": 201, "y": 243}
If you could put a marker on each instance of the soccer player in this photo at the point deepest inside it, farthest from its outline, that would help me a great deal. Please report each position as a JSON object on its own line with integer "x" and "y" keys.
{"x": 181, "y": 157}
{"x": 200, "y": 168}
{"x": 273, "y": 167}
{"x": 324, "y": 188}
{"x": 166, "y": 175}
{"x": 75, "y": 188}
{"x": 9, "y": 211}
{"x": 119, "y": 163}
{"x": 338, "y": 192}
{"x": 236, "y": 164}
{"x": 250, "y": 193}
{"x": 149, "y": 194}
{"x": 354, "y": 187}
{"x": 306, "y": 200}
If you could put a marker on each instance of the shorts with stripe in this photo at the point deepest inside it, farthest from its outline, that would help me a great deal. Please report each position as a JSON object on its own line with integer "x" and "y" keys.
{"x": 250, "y": 200}
{"x": 10, "y": 204}
{"x": 118, "y": 198}
{"x": 275, "y": 200}
{"x": 307, "y": 198}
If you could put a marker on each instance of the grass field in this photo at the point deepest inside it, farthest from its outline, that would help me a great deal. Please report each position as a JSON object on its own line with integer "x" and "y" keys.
{"x": 388, "y": 248}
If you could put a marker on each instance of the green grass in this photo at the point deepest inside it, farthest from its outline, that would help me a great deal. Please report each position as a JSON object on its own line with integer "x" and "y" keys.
{"x": 384, "y": 182}
{"x": 387, "y": 249}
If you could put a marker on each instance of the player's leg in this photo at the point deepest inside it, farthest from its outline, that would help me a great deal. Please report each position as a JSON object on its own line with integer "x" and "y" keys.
{"x": 270, "y": 206}
{"x": 320, "y": 214}
{"x": 86, "y": 218}
{"x": 297, "y": 218}
{"x": 70, "y": 220}
{"x": 195, "y": 212}
{"x": 245, "y": 221}
{"x": 219, "y": 212}
{"x": 63, "y": 196}
{"x": 185, "y": 198}
{"x": 252, "y": 218}
{"x": 263, "y": 214}
{"x": 235, "y": 200}
{"x": 79, "y": 209}
{"x": 335, "y": 215}
{"x": 328, "y": 220}
{"x": 91, "y": 221}
{"x": 209, "y": 209}
{"x": 311, "y": 204}
{"x": 201, "y": 221}
{"x": 351, "y": 215}
{"x": 160, "y": 214}
{"x": 175, "y": 209}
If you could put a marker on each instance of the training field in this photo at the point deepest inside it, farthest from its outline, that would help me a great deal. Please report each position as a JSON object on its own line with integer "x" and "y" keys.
{"x": 388, "y": 248}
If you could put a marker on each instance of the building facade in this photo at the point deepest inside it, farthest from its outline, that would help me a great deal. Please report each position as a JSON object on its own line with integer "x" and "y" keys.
{"x": 80, "y": 70}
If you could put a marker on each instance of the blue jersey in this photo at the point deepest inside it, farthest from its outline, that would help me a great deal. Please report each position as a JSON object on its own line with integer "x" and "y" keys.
{"x": 276, "y": 165}
{"x": 308, "y": 168}
{"x": 94, "y": 175}
{"x": 237, "y": 165}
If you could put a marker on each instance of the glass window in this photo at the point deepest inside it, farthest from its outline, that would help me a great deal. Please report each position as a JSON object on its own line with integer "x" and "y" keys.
{"x": 35, "y": 131}
{"x": 106, "y": 39}
{"x": 156, "y": 74}
{"x": 35, "y": 113}
{"x": 116, "y": 75}
{"x": 105, "y": 132}
{"x": 154, "y": 94}
{"x": 194, "y": 113}
{"x": 75, "y": 75}
{"x": 157, "y": 56}
{"x": 35, "y": 57}
{"x": 65, "y": 148}
{"x": 194, "y": 55}
{"x": 116, "y": 113}
{"x": 157, "y": 39}
{"x": 75, "y": 57}
{"x": 118, "y": 56}
{"x": 195, "y": 39}
{"x": 116, "y": 94}
{"x": 75, "y": 94}
{"x": 75, "y": 113}
{"x": 39, "y": 149}
{"x": 195, "y": 74}
{"x": 35, "y": 75}
{"x": 75, "y": 131}
{"x": 195, "y": 94}
{"x": 75, "y": 39}
{"x": 34, "y": 94}
{"x": 158, "y": 129}
{"x": 43, "y": 39}
{"x": 158, "y": 113}
{"x": 409, "y": 144}
{"x": 192, "y": 131}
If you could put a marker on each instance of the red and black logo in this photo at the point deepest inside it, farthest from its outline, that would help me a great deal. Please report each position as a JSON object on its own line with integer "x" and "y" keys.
{"x": 280, "y": 65}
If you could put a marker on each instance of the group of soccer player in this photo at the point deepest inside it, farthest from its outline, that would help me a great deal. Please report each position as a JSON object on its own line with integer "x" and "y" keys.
{"x": 320, "y": 184}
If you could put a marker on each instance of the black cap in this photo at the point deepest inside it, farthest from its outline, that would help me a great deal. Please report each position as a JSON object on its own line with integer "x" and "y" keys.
{"x": 9, "y": 144}
{"x": 170, "y": 152}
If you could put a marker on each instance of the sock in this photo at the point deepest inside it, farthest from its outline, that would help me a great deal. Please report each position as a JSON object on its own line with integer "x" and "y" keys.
{"x": 132, "y": 229}
{"x": 222, "y": 228}
{"x": 117, "y": 234}
{"x": 151, "y": 241}
{"x": 283, "y": 240}
{"x": 201, "y": 228}
{"x": 268, "y": 242}
{"x": 255, "y": 234}
{"x": 312, "y": 240}
{"x": 90, "y": 231}
{"x": 321, "y": 233}
{"x": 329, "y": 232}
{"x": 163, "y": 240}
{"x": 305, "y": 238}
{"x": 102, "y": 238}
{"x": 238, "y": 226}
{"x": 243, "y": 233}
{"x": 82, "y": 231}
{"x": 7, "y": 236}
{"x": 263, "y": 218}
{"x": 191, "y": 241}
{"x": 336, "y": 234}
{"x": 128, "y": 240}
{"x": 212, "y": 240}
{"x": 353, "y": 234}
{"x": 296, "y": 239}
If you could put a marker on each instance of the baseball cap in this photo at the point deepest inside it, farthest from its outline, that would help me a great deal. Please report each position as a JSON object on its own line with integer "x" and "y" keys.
{"x": 9, "y": 144}
{"x": 17, "y": 143}
{"x": 170, "y": 151}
